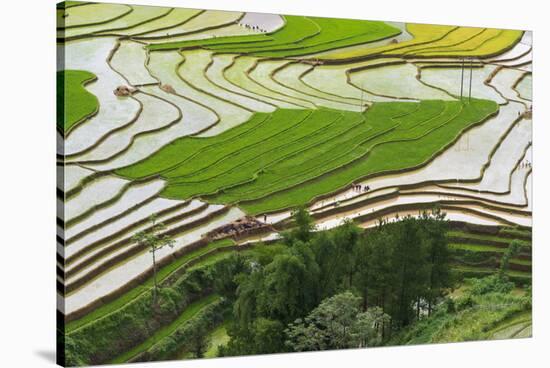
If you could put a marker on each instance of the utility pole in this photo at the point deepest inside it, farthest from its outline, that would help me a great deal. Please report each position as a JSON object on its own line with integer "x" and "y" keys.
{"x": 470, "y": 92}
{"x": 462, "y": 80}
{"x": 362, "y": 92}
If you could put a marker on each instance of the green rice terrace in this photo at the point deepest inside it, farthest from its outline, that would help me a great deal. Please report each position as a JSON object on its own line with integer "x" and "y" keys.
{"x": 273, "y": 153}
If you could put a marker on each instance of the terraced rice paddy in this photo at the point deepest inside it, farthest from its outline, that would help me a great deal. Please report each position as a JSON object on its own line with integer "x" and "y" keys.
{"x": 221, "y": 115}
{"x": 478, "y": 251}
{"x": 76, "y": 104}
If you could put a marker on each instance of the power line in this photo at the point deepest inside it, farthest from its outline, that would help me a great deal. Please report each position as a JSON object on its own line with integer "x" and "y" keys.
{"x": 462, "y": 80}
{"x": 471, "y": 68}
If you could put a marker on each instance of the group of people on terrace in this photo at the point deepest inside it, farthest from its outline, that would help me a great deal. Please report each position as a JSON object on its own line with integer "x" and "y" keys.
{"x": 526, "y": 164}
{"x": 252, "y": 27}
{"x": 360, "y": 188}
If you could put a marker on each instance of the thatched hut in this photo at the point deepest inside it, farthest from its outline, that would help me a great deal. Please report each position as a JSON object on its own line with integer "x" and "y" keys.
{"x": 124, "y": 91}
{"x": 168, "y": 88}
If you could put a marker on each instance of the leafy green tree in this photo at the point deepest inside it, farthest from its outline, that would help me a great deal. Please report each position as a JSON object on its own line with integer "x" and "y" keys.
{"x": 347, "y": 238}
{"x": 411, "y": 270}
{"x": 435, "y": 228}
{"x": 336, "y": 253}
{"x": 327, "y": 257}
{"x": 490, "y": 284}
{"x": 397, "y": 269}
{"x": 368, "y": 329}
{"x": 337, "y": 323}
{"x": 268, "y": 336}
{"x": 245, "y": 307}
{"x": 376, "y": 275}
{"x": 304, "y": 227}
{"x": 153, "y": 239}
{"x": 225, "y": 274}
{"x": 199, "y": 341}
{"x": 513, "y": 250}
{"x": 290, "y": 286}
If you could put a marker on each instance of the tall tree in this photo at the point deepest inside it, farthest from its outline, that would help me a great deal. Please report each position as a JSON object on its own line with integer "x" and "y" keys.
{"x": 336, "y": 252}
{"x": 435, "y": 228}
{"x": 304, "y": 227}
{"x": 347, "y": 237}
{"x": 337, "y": 323}
{"x": 199, "y": 341}
{"x": 225, "y": 274}
{"x": 410, "y": 264}
{"x": 290, "y": 285}
{"x": 153, "y": 239}
{"x": 268, "y": 336}
{"x": 376, "y": 273}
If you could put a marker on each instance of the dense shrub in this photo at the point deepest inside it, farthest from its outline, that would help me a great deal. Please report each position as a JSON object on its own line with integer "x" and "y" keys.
{"x": 187, "y": 335}
{"x": 490, "y": 284}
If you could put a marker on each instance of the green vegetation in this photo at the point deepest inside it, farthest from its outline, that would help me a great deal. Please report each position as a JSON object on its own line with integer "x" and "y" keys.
{"x": 192, "y": 337}
{"x": 218, "y": 337}
{"x": 516, "y": 327}
{"x": 163, "y": 274}
{"x": 502, "y": 238}
{"x": 152, "y": 240}
{"x": 336, "y": 289}
{"x": 517, "y": 232}
{"x": 337, "y": 323}
{"x": 387, "y": 285}
{"x": 276, "y": 161}
{"x": 118, "y": 334}
{"x": 299, "y": 36}
{"x": 348, "y": 287}
{"x": 210, "y": 42}
{"x": 162, "y": 333}
{"x": 478, "y": 253}
{"x": 487, "y": 306}
{"x": 74, "y": 103}
{"x": 111, "y": 336}
{"x": 431, "y": 40}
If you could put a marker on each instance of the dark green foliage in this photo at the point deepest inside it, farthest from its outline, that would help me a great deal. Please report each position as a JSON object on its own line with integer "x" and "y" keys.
{"x": 73, "y": 353}
{"x": 304, "y": 227}
{"x": 289, "y": 285}
{"x": 518, "y": 232}
{"x": 435, "y": 240}
{"x": 513, "y": 250}
{"x": 198, "y": 341}
{"x": 224, "y": 274}
{"x": 400, "y": 269}
{"x": 404, "y": 267}
{"x": 474, "y": 258}
{"x": 268, "y": 336}
{"x": 191, "y": 336}
{"x": 498, "y": 283}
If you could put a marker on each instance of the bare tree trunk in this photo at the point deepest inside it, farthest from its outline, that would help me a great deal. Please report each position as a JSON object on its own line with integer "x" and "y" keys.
{"x": 155, "y": 287}
{"x": 366, "y": 299}
{"x": 418, "y": 309}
